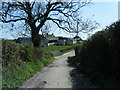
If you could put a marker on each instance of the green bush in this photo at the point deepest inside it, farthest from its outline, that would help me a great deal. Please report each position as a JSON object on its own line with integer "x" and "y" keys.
{"x": 13, "y": 51}
{"x": 94, "y": 53}
{"x": 73, "y": 60}
{"x": 99, "y": 56}
{"x": 114, "y": 32}
{"x": 19, "y": 62}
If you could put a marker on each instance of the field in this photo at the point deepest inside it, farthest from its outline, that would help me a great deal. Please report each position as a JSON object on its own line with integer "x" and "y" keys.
{"x": 54, "y": 48}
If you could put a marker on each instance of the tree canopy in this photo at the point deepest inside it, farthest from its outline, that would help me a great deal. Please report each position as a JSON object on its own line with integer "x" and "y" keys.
{"x": 35, "y": 14}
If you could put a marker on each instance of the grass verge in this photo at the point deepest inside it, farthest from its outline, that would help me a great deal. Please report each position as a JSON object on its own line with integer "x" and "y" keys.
{"x": 64, "y": 52}
{"x": 13, "y": 78}
{"x": 73, "y": 61}
{"x": 17, "y": 71}
{"x": 55, "y": 48}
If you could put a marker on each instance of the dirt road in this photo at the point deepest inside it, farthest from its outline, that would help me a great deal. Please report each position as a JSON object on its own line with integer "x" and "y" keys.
{"x": 59, "y": 75}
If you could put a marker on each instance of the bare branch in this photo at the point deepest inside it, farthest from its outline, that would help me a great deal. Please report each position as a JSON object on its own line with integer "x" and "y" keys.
{"x": 32, "y": 5}
{"x": 36, "y": 14}
{"x": 68, "y": 28}
{"x": 13, "y": 20}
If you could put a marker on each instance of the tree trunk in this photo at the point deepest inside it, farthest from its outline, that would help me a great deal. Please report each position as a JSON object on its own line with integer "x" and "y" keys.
{"x": 36, "y": 41}
{"x": 35, "y": 38}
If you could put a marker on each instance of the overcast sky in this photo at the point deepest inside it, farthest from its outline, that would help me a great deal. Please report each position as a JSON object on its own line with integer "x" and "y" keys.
{"x": 105, "y": 13}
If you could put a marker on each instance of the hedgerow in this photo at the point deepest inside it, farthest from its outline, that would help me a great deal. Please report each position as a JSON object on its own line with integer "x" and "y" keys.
{"x": 99, "y": 56}
{"x": 20, "y": 62}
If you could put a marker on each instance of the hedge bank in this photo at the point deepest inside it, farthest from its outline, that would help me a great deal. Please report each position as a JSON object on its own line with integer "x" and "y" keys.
{"x": 20, "y": 62}
{"x": 99, "y": 56}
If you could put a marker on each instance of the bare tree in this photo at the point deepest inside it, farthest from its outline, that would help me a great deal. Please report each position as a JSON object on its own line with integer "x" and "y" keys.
{"x": 35, "y": 14}
{"x": 45, "y": 29}
{"x": 80, "y": 25}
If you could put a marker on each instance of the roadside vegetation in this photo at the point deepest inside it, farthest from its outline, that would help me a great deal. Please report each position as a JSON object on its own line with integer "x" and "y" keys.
{"x": 20, "y": 62}
{"x": 54, "y": 48}
{"x": 99, "y": 57}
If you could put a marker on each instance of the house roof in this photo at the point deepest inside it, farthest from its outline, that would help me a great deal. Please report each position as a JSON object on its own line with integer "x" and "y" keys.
{"x": 51, "y": 37}
{"x": 77, "y": 37}
{"x": 24, "y": 38}
{"x": 61, "y": 38}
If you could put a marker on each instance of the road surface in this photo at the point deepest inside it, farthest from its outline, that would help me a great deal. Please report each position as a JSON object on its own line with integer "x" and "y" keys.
{"x": 59, "y": 74}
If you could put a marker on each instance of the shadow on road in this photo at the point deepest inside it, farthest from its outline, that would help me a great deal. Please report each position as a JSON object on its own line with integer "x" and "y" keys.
{"x": 80, "y": 81}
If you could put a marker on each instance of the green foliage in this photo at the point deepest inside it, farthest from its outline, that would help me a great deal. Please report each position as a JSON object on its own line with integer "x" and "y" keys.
{"x": 73, "y": 60}
{"x": 54, "y": 48}
{"x": 94, "y": 53}
{"x": 65, "y": 51}
{"x": 20, "y": 62}
{"x": 15, "y": 77}
{"x": 99, "y": 56}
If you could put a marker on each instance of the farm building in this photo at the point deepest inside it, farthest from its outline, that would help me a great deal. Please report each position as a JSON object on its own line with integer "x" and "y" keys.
{"x": 24, "y": 40}
{"x": 70, "y": 41}
{"x": 49, "y": 40}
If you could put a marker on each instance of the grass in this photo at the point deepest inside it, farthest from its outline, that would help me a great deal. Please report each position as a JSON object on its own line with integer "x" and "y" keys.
{"x": 54, "y": 48}
{"x": 13, "y": 78}
{"x": 64, "y": 52}
{"x": 18, "y": 71}
{"x": 73, "y": 61}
